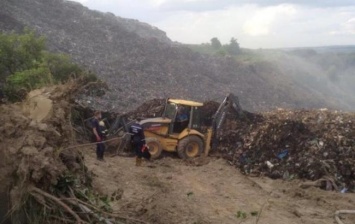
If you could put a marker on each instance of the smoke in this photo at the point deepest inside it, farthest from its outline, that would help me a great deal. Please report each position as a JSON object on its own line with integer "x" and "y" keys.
{"x": 327, "y": 72}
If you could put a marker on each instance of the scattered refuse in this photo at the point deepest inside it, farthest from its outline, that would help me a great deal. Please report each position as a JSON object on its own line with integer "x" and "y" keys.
{"x": 305, "y": 144}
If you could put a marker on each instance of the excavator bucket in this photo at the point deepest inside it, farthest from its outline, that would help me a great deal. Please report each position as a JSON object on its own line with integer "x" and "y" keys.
{"x": 234, "y": 103}
{"x": 230, "y": 101}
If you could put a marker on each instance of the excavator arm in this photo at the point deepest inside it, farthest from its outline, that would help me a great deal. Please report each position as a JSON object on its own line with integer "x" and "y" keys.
{"x": 230, "y": 104}
{"x": 120, "y": 123}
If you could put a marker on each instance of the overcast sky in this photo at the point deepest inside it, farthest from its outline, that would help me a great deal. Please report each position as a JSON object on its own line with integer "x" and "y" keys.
{"x": 255, "y": 23}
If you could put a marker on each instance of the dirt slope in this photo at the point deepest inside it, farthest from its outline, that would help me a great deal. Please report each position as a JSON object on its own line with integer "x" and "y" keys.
{"x": 170, "y": 190}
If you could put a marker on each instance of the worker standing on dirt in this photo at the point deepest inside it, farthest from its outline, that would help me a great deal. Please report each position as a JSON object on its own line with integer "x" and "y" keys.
{"x": 100, "y": 147}
{"x": 138, "y": 140}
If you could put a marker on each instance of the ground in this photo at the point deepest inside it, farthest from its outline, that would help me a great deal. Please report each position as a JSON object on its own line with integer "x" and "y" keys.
{"x": 209, "y": 190}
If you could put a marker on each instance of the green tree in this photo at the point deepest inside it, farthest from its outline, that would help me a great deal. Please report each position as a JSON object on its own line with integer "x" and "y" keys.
{"x": 221, "y": 52}
{"x": 215, "y": 43}
{"x": 233, "y": 47}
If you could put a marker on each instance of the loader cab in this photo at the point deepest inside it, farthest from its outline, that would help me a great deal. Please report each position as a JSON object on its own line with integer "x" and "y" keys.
{"x": 183, "y": 114}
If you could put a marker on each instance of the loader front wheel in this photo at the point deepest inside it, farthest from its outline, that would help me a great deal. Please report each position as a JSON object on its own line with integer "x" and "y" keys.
{"x": 155, "y": 147}
{"x": 190, "y": 147}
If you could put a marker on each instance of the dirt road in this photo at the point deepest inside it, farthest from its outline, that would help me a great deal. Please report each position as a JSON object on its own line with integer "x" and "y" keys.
{"x": 209, "y": 190}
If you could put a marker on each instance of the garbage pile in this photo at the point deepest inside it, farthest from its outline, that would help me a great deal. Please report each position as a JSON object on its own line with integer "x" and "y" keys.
{"x": 149, "y": 109}
{"x": 208, "y": 109}
{"x": 306, "y": 144}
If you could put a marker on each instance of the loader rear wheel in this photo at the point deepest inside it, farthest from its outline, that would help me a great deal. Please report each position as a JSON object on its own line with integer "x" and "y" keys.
{"x": 155, "y": 147}
{"x": 190, "y": 147}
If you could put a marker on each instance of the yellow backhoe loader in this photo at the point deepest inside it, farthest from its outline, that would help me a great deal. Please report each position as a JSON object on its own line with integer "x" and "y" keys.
{"x": 181, "y": 128}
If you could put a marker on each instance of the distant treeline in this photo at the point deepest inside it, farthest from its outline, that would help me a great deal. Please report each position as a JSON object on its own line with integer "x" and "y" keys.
{"x": 215, "y": 47}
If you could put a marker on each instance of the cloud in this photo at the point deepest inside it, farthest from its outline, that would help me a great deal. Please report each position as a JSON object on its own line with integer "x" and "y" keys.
{"x": 80, "y": 1}
{"x": 258, "y": 23}
{"x": 350, "y": 26}
{"x": 261, "y": 22}
{"x": 211, "y": 5}
{"x": 317, "y": 3}
{"x": 143, "y": 10}
{"x": 200, "y": 27}
{"x": 266, "y": 27}
{"x": 345, "y": 28}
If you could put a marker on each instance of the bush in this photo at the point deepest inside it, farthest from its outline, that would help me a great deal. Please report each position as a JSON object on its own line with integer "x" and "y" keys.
{"x": 61, "y": 67}
{"x": 30, "y": 79}
{"x": 25, "y": 65}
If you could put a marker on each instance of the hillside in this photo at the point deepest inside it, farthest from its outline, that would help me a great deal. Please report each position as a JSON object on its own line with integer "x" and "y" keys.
{"x": 139, "y": 62}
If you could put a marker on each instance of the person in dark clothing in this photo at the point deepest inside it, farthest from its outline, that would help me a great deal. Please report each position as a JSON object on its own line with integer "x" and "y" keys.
{"x": 97, "y": 130}
{"x": 182, "y": 115}
{"x": 138, "y": 141}
{"x": 2, "y": 95}
{"x": 182, "y": 119}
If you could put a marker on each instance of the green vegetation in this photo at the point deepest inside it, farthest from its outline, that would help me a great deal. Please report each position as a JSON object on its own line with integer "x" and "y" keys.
{"x": 25, "y": 65}
{"x": 215, "y": 43}
{"x": 244, "y": 215}
{"x": 241, "y": 214}
{"x": 216, "y": 48}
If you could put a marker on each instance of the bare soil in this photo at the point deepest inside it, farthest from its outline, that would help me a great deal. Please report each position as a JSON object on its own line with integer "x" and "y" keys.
{"x": 209, "y": 190}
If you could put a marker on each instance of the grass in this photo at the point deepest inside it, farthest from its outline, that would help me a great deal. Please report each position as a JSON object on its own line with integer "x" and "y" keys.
{"x": 246, "y": 55}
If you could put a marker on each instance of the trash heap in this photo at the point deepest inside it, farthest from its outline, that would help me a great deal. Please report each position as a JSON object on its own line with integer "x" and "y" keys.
{"x": 306, "y": 144}
{"x": 149, "y": 109}
{"x": 208, "y": 109}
